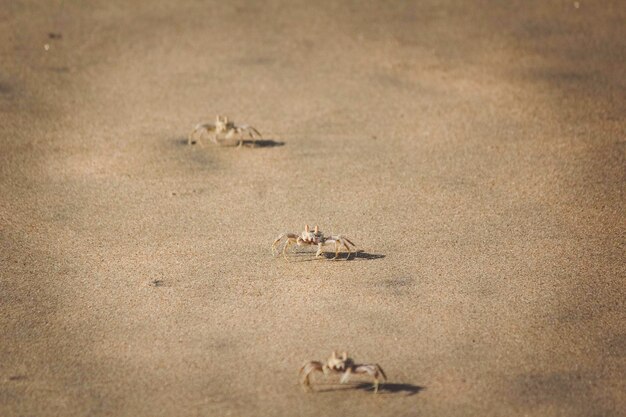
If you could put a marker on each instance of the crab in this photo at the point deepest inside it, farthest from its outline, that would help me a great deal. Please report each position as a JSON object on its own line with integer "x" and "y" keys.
{"x": 226, "y": 128}
{"x": 315, "y": 237}
{"x": 343, "y": 365}
{"x": 305, "y": 238}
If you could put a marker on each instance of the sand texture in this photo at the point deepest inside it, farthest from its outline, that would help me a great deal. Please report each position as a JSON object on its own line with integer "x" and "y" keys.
{"x": 475, "y": 152}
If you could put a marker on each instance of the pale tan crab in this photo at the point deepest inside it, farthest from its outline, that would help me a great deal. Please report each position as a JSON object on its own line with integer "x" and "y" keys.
{"x": 308, "y": 238}
{"x": 223, "y": 130}
{"x": 343, "y": 365}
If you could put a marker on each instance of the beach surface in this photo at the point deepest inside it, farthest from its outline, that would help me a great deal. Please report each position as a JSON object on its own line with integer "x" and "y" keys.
{"x": 475, "y": 152}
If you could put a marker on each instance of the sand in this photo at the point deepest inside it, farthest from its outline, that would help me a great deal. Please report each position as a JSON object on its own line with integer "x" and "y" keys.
{"x": 474, "y": 151}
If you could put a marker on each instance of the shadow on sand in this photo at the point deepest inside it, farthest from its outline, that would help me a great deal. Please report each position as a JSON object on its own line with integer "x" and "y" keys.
{"x": 263, "y": 143}
{"x": 361, "y": 255}
{"x": 383, "y": 388}
{"x": 260, "y": 143}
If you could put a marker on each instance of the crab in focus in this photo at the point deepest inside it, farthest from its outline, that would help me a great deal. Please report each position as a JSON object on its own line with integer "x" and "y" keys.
{"x": 343, "y": 365}
{"x": 311, "y": 238}
{"x": 307, "y": 237}
{"x": 223, "y": 129}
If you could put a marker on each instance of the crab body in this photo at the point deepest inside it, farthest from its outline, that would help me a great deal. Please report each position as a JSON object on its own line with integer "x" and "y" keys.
{"x": 314, "y": 238}
{"x": 343, "y": 365}
{"x": 223, "y": 129}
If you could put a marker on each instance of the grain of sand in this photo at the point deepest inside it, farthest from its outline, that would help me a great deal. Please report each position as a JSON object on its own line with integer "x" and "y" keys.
{"x": 475, "y": 151}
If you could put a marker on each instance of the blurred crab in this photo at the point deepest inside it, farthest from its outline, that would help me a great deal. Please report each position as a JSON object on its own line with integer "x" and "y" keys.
{"x": 343, "y": 365}
{"x": 226, "y": 128}
{"x": 308, "y": 238}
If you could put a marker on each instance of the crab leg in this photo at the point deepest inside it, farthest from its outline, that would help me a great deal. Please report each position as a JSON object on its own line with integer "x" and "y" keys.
{"x": 344, "y": 241}
{"x": 241, "y": 130}
{"x": 307, "y": 369}
{"x": 321, "y": 244}
{"x": 190, "y": 137}
{"x": 253, "y": 130}
{"x": 319, "y": 249}
{"x": 346, "y": 376}
{"x": 353, "y": 246}
{"x": 293, "y": 239}
{"x": 289, "y": 236}
{"x": 289, "y": 242}
{"x": 257, "y": 133}
{"x": 249, "y": 131}
{"x": 198, "y": 130}
{"x": 337, "y": 247}
{"x": 192, "y": 134}
{"x": 231, "y": 132}
{"x": 213, "y": 137}
{"x": 276, "y": 241}
{"x": 345, "y": 244}
{"x": 373, "y": 370}
{"x": 348, "y": 248}
{"x": 240, "y": 144}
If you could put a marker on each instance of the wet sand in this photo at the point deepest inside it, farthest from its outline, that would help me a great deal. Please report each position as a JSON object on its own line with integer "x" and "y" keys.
{"x": 474, "y": 151}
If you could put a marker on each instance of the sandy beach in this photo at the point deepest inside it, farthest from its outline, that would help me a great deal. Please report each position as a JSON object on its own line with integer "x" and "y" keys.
{"x": 475, "y": 153}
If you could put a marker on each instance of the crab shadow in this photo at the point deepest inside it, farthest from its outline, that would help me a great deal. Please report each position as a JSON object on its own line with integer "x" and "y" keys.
{"x": 343, "y": 256}
{"x": 260, "y": 143}
{"x": 383, "y": 388}
{"x": 360, "y": 255}
{"x": 263, "y": 143}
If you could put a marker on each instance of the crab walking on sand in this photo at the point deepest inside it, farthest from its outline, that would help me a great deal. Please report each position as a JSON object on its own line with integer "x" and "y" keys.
{"x": 226, "y": 128}
{"x": 305, "y": 238}
{"x": 343, "y": 365}
{"x": 316, "y": 237}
